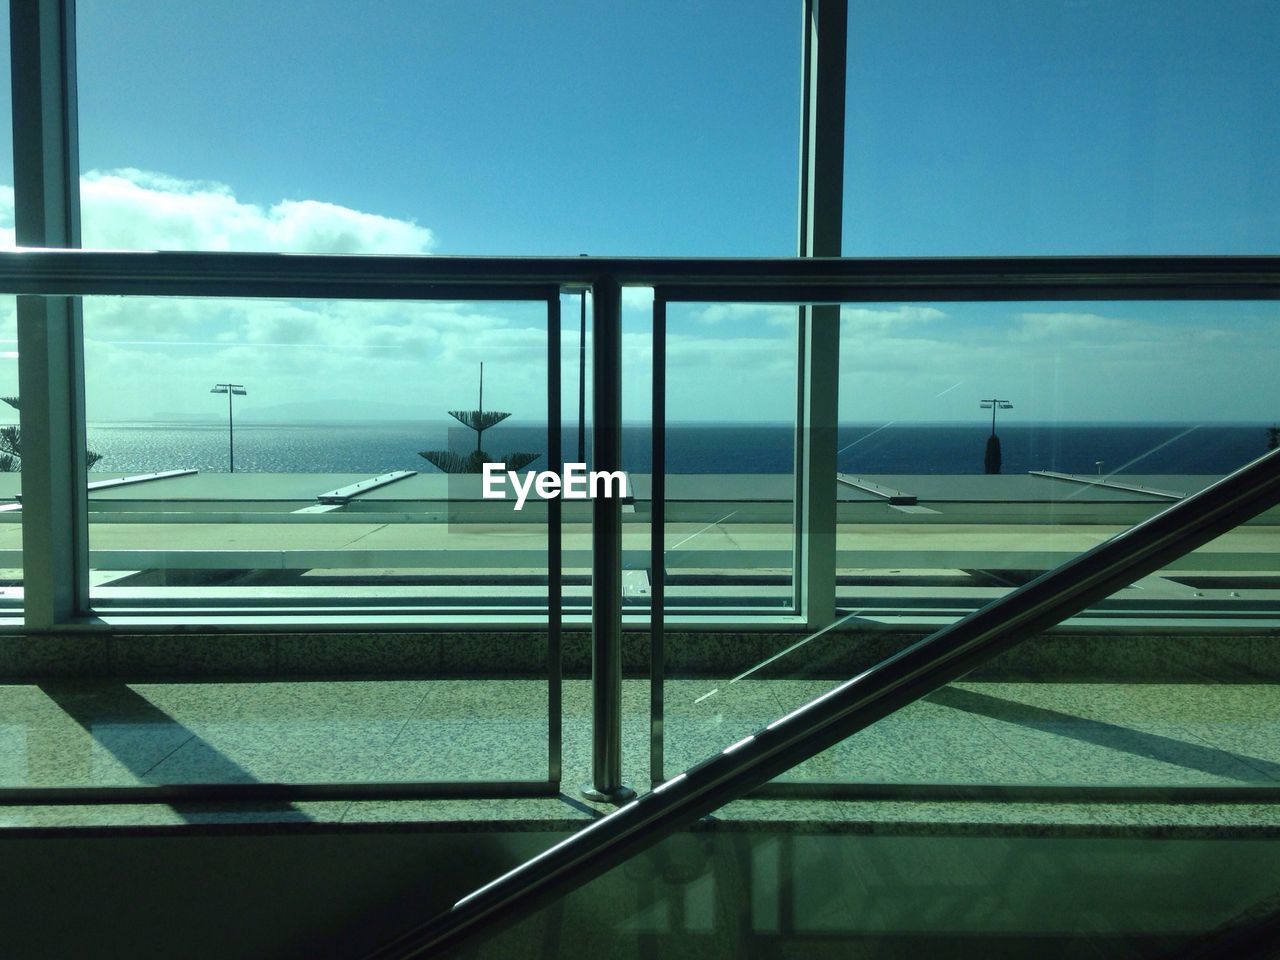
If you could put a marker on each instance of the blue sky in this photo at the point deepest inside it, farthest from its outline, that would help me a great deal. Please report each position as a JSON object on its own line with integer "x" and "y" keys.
{"x": 521, "y": 128}
{"x": 1083, "y": 126}
{"x": 671, "y": 128}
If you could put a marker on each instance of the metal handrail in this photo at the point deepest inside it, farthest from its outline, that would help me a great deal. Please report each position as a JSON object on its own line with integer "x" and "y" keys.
{"x": 77, "y": 272}
{"x": 901, "y": 679}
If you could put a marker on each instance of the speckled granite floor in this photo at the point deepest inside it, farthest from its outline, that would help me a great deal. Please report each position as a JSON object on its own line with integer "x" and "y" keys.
{"x": 114, "y": 734}
{"x": 1020, "y": 733}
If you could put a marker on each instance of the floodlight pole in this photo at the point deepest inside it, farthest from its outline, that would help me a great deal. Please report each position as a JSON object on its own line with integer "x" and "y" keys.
{"x": 996, "y": 404}
{"x": 582, "y": 377}
{"x": 991, "y": 461}
{"x": 231, "y": 434}
{"x": 231, "y": 389}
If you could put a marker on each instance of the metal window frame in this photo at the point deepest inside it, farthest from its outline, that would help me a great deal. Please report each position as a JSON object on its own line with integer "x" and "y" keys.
{"x": 361, "y": 790}
{"x": 1118, "y": 278}
{"x": 822, "y": 280}
{"x": 50, "y": 343}
{"x": 72, "y": 273}
{"x": 51, "y": 382}
{"x": 821, "y": 213}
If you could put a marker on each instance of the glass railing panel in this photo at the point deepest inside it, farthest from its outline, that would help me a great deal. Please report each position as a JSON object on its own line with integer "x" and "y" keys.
{"x": 10, "y": 463}
{"x": 982, "y": 444}
{"x": 898, "y": 882}
{"x": 334, "y": 471}
{"x": 1182, "y": 396}
{"x": 730, "y": 458}
{"x": 1140, "y": 690}
{"x": 1153, "y": 709}
{"x": 984, "y": 863}
{"x": 1160, "y": 690}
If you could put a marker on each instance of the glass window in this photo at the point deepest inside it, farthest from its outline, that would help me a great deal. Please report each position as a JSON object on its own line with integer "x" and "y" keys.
{"x": 983, "y": 443}
{"x": 1006, "y": 128}
{"x": 304, "y": 454}
{"x": 10, "y": 462}
{"x": 980, "y": 445}
{"x": 730, "y": 457}
{"x": 439, "y": 128}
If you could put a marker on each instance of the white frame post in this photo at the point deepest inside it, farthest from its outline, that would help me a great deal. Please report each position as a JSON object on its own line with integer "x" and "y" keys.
{"x": 50, "y": 331}
{"x": 818, "y": 363}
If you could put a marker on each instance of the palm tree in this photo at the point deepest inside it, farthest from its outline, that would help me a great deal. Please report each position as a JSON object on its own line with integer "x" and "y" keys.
{"x": 1273, "y": 438}
{"x": 11, "y": 445}
{"x": 479, "y": 420}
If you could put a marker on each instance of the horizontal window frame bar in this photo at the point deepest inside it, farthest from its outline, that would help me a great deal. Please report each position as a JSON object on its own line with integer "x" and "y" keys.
{"x": 276, "y": 792}
{"x": 50, "y": 272}
{"x": 179, "y": 622}
{"x": 942, "y": 792}
{"x": 986, "y": 290}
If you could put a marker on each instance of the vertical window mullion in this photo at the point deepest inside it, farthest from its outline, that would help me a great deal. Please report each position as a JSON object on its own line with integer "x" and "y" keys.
{"x": 50, "y": 340}
{"x": 821, "y": 209}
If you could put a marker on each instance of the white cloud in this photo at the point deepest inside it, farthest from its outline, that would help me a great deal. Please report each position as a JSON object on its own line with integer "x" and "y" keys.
{"x": 635, "y": 298}
{"x": 885, "y": 318}
{"x": 1032, "y": 326}
{"x": 139, "y": 210}
{"x": 743, "y": 313}
{"x": 141, "y": 352}
{"x": 725, "y": 361}
{"x": 7, "y": 240}
{"x": 784, "y": 315}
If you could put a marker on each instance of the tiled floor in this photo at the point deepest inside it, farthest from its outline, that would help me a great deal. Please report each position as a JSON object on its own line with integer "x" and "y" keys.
{"x": 112, "y": 734}
{"x": 1015, "y": 733}
{"x": 864, "y": 870}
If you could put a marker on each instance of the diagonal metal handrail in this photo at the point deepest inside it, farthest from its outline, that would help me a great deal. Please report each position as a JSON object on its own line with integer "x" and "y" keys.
{"x": 901, "y": 679}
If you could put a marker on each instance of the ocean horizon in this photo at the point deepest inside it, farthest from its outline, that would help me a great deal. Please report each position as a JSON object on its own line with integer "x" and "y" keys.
{"x": 692, "y": 447}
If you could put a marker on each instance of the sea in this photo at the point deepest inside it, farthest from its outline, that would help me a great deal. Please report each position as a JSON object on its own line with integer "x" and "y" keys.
{"x": 864, "y": 448}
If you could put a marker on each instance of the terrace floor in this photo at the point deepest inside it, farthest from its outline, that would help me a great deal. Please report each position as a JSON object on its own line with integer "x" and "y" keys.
{"x": 1017, "y": 735}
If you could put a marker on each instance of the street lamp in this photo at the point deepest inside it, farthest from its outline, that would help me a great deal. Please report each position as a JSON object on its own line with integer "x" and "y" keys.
{"x": 992, "y": 459}
{"x": 231, "y": 390}
{"x": 582, "y": 375}
{"x": 993, "y": 405}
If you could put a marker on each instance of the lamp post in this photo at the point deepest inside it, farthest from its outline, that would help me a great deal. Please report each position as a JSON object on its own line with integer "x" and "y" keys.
{"x": 582, "y": 378}
{"x": 992, "y": 459}
{"x": 231, "y": 390}
{"x": 582, "y": 374}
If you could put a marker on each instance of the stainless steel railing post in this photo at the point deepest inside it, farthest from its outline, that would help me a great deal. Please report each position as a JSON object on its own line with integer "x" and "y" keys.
{"x": 606, "y": 548}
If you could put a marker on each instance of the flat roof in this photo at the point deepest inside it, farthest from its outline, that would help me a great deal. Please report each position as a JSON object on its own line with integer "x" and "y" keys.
{"x": 940, "y": 488}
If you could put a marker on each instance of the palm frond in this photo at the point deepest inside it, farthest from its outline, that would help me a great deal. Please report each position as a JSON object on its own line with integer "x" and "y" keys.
{"x": 448, "y": 461}
{"x": 479, "y": 420}
{"x": 517, "y": 461}
{"x": 11, "y": 440}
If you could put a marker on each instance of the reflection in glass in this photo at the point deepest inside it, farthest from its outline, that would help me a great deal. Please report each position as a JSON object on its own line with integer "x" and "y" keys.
{"x": 334, "y": 497}
{"x": 730, "y": 448}
{"x": 10, "y": 462}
